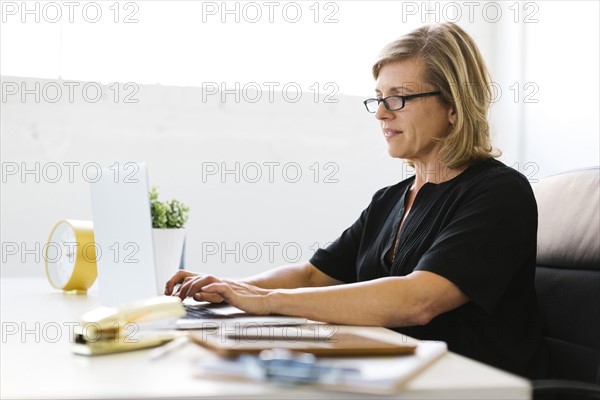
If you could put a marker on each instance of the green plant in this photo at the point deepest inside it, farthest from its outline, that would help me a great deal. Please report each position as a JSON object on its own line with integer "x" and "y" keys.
{"x": 170, "y": 214}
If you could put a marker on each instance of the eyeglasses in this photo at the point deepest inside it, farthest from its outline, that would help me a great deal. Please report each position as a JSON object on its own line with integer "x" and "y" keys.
{"x": 394, "y": 103}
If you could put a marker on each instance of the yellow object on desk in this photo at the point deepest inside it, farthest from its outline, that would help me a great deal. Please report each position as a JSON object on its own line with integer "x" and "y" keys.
{"x": 115, "y": 329}
{"x": 70, "y": 256}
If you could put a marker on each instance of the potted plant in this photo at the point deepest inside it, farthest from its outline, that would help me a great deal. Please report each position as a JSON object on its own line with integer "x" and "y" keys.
{"x": 168, "y": 223}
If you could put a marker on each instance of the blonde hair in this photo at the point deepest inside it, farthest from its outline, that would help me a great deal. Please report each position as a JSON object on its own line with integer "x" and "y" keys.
{"x": 455, "y": 67}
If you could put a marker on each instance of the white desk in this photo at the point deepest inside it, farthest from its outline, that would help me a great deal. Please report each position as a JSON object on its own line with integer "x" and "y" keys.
{"x": 37, "y": 362}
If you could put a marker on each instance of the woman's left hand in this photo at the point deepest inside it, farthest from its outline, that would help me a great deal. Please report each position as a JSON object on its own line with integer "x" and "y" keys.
{"x": 246, "y": 297}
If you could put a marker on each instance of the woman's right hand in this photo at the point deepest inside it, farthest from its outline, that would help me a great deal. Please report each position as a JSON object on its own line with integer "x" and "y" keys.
{"x": 190, "y": 285}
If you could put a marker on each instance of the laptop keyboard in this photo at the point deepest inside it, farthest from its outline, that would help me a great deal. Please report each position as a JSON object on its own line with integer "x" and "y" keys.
{"x": 194, "y": 312}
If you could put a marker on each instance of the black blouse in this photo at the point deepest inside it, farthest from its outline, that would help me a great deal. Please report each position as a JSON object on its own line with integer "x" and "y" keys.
{"x": 478, "y": 230}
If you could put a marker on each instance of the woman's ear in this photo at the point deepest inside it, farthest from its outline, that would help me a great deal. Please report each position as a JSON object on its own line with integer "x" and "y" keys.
{"x": 452, "y": 116}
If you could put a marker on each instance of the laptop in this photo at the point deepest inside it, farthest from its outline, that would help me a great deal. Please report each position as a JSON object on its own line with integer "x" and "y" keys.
{"x": 125, "y": 252}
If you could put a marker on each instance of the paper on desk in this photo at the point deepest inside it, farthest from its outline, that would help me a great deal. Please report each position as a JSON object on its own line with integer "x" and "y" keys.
{"x": 377, "y": 375}
{"x": 389, "y": 374}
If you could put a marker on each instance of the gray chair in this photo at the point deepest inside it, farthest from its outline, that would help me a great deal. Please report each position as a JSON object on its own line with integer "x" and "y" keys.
{"x": 568, "y": 282}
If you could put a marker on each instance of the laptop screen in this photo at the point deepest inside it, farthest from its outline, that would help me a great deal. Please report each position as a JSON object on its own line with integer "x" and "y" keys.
{"x": 123, "y": 234}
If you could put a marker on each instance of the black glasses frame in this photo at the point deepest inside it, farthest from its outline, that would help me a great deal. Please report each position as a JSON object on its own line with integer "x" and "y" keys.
{"x": 403, "y": 98}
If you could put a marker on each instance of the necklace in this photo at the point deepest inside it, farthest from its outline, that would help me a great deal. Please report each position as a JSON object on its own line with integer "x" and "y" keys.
{"x": 408, "y": 206}
{"x": 397, "y": 242}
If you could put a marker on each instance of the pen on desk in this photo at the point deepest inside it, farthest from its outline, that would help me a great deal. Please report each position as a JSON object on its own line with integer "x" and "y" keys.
{"x": 168, "y": 347}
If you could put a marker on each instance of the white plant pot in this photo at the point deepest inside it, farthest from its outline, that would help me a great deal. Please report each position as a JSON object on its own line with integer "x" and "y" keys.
{"x": 168, "y": 249}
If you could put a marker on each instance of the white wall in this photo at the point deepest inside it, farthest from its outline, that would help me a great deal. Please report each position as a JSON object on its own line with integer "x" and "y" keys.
{"x": 562, "y": 130}
{"x": 178, "y": 132}
{"x": 178, "y": 135}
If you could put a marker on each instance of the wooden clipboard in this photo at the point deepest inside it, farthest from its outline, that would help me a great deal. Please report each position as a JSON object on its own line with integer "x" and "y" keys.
{"x": 319, "y": 339}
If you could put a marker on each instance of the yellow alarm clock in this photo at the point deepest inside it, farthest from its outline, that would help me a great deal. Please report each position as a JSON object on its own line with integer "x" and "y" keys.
{"x": 70, "y": 256}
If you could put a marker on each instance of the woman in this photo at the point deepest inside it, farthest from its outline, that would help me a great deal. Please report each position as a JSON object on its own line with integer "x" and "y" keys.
{"x": 448, "y": 254}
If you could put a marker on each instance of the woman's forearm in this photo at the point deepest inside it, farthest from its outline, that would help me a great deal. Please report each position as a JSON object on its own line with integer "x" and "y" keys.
{"x": 414, "y": 299}
{"x": 381, "y": 302}
{"x": 392, "y": 301}
{"x": 290, "y": 277}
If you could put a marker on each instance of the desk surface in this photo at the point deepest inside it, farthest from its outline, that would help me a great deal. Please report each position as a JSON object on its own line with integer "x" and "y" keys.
{"x": 36, "y": 362}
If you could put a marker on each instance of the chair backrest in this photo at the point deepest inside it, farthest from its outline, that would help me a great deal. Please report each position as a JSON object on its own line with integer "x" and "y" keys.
{"x": 568, "y": 272}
